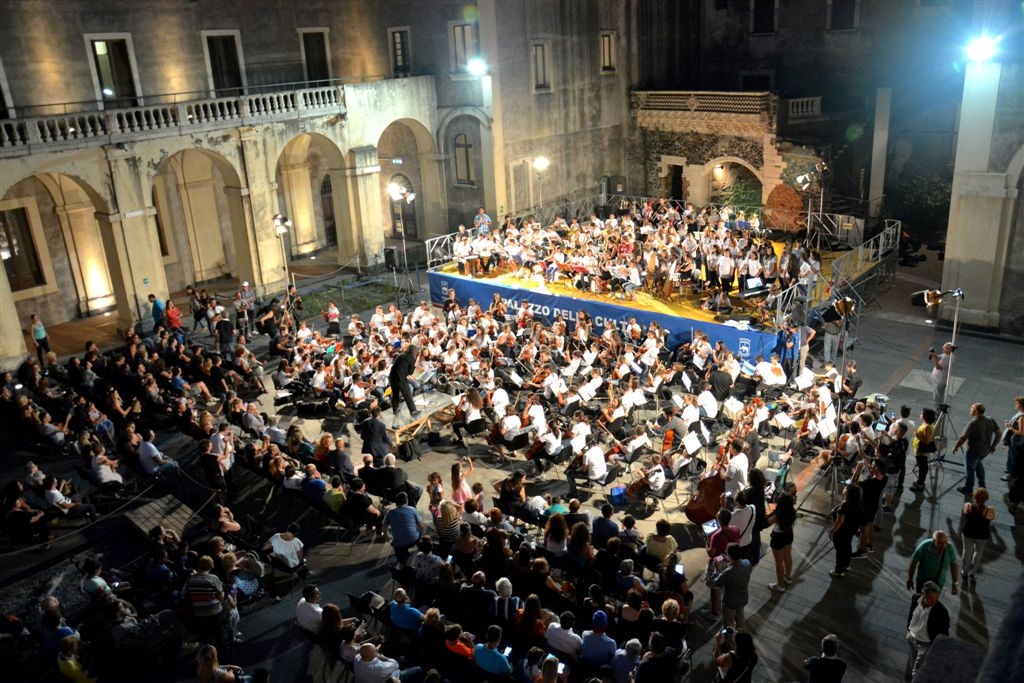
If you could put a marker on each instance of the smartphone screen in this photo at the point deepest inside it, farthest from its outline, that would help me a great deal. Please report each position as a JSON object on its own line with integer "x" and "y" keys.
{"x": 449, "y": 560}
{"x": 561, "y": 668}
{"x": 508, "y": 651}
{"x": 681, "y": 570}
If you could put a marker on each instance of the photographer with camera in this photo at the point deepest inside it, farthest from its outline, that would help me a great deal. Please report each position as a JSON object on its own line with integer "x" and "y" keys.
{"x": 940, "y": 371}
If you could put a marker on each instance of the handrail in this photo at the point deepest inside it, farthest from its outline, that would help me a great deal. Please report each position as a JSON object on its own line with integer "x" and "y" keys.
{"x": 122, "y": 125}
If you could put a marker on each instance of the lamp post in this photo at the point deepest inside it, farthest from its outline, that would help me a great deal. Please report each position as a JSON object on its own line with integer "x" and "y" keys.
{"x": 282, "y": 224}
{"x": 540, "y": 164}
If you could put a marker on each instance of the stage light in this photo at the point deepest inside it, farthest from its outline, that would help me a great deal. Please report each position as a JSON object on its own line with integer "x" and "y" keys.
{"x": 476, "y": 67}
{"x": 395, "y": 191}
{"x": 803, "y": 181}
{"x": 540, "y": 164}
{"x": 982, "y": 49}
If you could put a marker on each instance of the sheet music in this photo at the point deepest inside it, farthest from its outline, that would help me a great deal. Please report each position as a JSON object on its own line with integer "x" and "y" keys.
{"x": 691, "y": 442}
{"x": 783, "y": 420}
{"x": 516, "y": 379}
{"x": 578, "y": 443}
{"x": 678, "y": 401}
{"x": 705, "y": 433}
{"x": 830, "y": 412}
{"x": 747, "y": 368}
{"x": 760, "y": 416}
{"x": 699, "y": 360}
{"x": 456, "y": 399}
{"x": 826, "y": 428}
{"x": 733, "y": 405}
{"x": 803, "y": 382}
{"x": 686, "y": 382}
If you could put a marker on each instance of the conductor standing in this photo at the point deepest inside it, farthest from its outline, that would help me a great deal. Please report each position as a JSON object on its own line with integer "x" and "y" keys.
{"x": 403, "y": 366}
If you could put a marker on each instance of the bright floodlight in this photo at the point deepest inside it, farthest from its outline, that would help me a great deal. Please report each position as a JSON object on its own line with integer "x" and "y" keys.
{"x": 981, "y": 49}
{"x": 540, "y": 164}
{"x": 476, "y": 67}
{"x": 396, "y": 191}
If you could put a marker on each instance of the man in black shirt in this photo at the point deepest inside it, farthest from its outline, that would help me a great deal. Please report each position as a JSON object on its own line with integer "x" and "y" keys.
{"x": 225, "y": 332}
{"x": 828, "y": 667}
{"x": 403, "y": 366}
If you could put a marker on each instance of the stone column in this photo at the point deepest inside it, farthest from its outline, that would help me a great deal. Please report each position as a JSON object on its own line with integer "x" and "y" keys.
{"x": 432, "y": 196}
{"x": 13, "y": 344}
{"x": 977, "y": 236}
{"x": 360, "y": 228}
{"x": 131, "y": 243}
{"x": 493, "y": 145}
{"x": 85, "y": 254}
{"x": 298, "y": 197}
{"x": 257, "y": 248}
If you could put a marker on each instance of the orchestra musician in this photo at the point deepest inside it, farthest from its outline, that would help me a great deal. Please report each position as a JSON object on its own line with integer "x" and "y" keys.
{"x": 652, "y": 478}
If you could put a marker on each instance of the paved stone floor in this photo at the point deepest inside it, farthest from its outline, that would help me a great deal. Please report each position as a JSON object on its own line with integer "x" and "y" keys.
{"x": 867, "y": 609}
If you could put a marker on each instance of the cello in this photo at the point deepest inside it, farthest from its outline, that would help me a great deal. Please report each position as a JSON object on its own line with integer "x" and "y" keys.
{"x": 706, "y": 502}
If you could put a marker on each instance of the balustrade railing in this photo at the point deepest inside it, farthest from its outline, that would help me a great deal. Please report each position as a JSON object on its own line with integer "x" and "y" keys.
{"x": 114, "y": 125}
{"x": 804, "y": 108}
{"x": 706, "y": 101}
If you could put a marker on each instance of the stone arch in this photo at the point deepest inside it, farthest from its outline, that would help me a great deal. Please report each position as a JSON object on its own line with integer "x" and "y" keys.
{"x": 194, "y": 190}
{"x": 407, "y": 147}
{"x": 62, "y": 269}
{"x": 736, "y": 160}
{"x": 453, "y": 114}
{"x": 304, "y": 162}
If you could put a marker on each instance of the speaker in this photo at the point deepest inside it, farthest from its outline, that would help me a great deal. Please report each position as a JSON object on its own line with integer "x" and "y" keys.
{"x": 390, "y": 258}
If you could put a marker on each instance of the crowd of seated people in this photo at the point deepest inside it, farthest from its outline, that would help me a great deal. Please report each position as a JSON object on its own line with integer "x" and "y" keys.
{"x": 572, "y": 390}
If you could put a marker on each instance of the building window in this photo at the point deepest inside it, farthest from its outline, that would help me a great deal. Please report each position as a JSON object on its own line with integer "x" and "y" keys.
{"x": 842, "y": 15}
{"x": 316, "y": 56}
{"x": 225, "y": 65}
{"x": 463, "y": 159}
{"x": 463, "y": 47}
{"x": 764, "y": 16}
{"x": 112, "y": 64}
{"x": 756, "y": 81}
{"x": 6, "y": 101}
{"x": 607, "y": 52}
{"x": 18, "y": 250}
{"x": 401, "y": 60}
{"x": 541, "y": 68}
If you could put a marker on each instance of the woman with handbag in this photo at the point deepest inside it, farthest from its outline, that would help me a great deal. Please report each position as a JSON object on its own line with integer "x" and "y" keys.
{"x": 924, "y": 445}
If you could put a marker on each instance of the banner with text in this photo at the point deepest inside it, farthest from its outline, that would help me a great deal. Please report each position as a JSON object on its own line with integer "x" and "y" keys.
{"x": 545, "y": 306}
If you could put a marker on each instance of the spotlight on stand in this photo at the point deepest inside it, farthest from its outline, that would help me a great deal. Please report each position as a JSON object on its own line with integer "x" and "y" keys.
{"x": 931, "y": 298}
{"x": 476, "y": 67}
{"x": 804, "y": 181}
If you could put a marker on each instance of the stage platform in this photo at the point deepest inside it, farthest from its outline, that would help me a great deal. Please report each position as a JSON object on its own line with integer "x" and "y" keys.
{"x": 680, "y": 319}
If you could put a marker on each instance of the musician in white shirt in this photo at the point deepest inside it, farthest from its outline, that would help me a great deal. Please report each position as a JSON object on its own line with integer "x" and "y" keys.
{"x": 707, "y": 404}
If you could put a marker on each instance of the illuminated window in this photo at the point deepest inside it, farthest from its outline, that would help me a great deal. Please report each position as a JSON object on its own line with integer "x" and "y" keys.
{"x": 112, "y": 63}
{"x": 18, "y": 250}
{"x": 463, "y": 159}
{"x": 842, "y": 15}
{"x": 607, "y": 51}
{"x": 541, "y": 68}
{"x": 764, "y": 16}
{"x": 463, "y": 47}
{"x": 401, "y": 60}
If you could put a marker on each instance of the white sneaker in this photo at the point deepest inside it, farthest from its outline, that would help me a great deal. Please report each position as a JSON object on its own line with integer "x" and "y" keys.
{"x": 776, "y": 588}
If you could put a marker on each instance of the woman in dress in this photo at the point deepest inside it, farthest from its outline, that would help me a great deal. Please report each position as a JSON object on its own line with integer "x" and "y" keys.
{"x": 461, "y": 489}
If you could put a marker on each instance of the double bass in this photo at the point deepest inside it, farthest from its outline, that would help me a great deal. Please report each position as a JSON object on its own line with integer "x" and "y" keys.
{"x": 706, "y": 502}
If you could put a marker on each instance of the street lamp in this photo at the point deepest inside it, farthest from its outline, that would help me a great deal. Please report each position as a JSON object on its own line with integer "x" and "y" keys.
{"x": 476, "y": 67}
{"x": 282, "y": 224}
{"x": 540, "y": 164}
